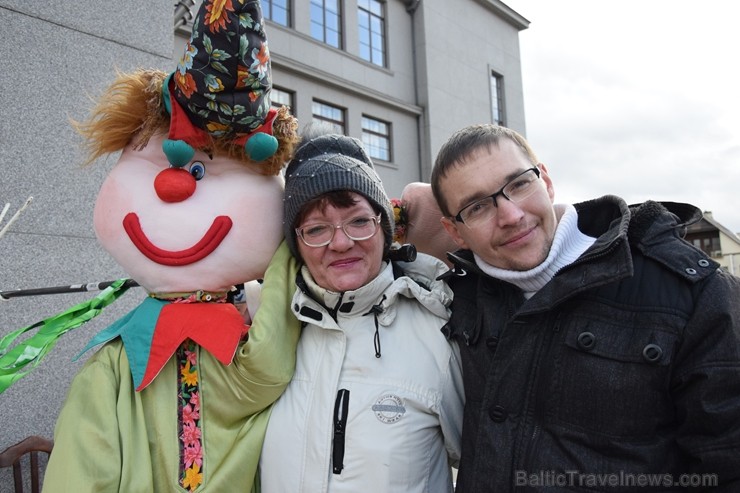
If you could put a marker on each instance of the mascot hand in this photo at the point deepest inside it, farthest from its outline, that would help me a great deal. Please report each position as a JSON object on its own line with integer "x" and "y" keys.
{"x": 423, "y": 226}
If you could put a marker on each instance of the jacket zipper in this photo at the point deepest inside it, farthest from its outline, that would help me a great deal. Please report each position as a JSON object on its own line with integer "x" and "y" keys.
{"x": 341, "y": 406}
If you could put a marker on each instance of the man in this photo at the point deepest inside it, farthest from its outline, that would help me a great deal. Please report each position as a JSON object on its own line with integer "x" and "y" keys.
{"x": 600, "y": 351}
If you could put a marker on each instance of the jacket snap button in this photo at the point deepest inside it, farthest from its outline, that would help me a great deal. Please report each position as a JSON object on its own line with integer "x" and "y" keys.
{"x": 498, "y": 414}
{"x": 703, "y": 262}
{"x": 652, "y": 353}
{"x": 586, "y": 340}
{"x": 492, "y": 342}
{"x": 690, "y": 271}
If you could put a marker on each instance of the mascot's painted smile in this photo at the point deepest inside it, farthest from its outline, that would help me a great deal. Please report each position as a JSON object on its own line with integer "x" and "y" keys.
{"x": 207, "y": 244}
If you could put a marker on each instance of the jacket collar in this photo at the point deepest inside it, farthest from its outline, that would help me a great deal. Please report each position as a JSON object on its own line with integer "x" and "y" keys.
{"x": 655, "y": 228}
{"x": 417, "y": 280}
{"x": 315, "y": 304}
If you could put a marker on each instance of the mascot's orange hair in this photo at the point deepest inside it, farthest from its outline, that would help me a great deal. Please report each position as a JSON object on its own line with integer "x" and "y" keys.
{"x": 133, "y": 107}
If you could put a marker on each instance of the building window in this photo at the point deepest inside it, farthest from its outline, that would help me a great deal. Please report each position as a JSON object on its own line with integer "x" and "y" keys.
{"x": 497, "y": 99}
{"x": 712, "y": 246}
{"x": 278, "y": 11}
{"x": 327, "y": 113}
{"x": 326, "y": 21}
{"x": 372, "y": 31}
{"x": 280, "y": 97}
{"x": 708, "y": 241}
{"x": 376, "y": 136}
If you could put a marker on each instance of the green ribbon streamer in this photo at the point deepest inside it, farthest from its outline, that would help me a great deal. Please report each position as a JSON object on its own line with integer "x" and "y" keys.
{"x": 14, "y": 362}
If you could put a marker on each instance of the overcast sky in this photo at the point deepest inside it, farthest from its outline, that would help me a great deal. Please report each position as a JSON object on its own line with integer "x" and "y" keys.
{"x": 637, "y": 98}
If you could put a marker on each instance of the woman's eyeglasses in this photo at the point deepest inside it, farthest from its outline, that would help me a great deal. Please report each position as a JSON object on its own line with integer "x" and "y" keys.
{"x": 357, "y": 229}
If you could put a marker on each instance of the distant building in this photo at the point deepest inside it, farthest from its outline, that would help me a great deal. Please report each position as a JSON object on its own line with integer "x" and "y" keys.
{"x": 716, "y": 241}
{"x": 401, "y": 75}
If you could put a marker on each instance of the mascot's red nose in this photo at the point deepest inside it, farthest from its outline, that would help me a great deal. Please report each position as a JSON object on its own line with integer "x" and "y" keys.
{"x": 174, "y": 185}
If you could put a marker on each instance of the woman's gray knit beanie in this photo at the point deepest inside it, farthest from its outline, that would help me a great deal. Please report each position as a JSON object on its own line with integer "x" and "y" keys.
{"x": 330, "y": 163}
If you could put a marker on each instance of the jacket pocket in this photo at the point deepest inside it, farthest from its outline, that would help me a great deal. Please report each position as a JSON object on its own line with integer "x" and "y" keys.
{"x": 614, "y": 379}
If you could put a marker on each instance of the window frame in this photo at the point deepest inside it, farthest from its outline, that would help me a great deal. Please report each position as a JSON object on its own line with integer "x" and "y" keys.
{"x": 371, "y": 34}
{"x": 268, "y": 8}
{"x": 336, "y": 124}
{"x": 498, "y": 109}
{"x": 321, "y": 4}
{"x": 288, "y": 93}
{"x": 370, "y": 133}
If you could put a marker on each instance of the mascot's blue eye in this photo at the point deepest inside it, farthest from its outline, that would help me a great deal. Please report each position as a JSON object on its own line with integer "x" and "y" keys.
{"x": 198, "y": 170}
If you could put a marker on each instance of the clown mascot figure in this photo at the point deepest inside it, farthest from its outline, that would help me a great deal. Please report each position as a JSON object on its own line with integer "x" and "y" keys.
{"x": 178, "y": 394}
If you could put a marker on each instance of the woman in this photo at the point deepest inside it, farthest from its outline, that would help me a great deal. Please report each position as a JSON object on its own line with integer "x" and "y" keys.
{"x": 376, "y": 399}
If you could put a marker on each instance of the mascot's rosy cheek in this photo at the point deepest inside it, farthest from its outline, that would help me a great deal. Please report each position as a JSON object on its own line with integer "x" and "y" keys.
{"x": 173, "y": 232}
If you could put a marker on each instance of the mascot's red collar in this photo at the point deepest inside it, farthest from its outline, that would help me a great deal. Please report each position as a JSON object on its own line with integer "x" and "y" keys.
{"x": 152, "y": 332}
{"x": 216, "y": 327}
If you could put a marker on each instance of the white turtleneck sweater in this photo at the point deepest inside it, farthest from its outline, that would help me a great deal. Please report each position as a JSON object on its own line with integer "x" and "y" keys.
{"x": 567, "y": 245}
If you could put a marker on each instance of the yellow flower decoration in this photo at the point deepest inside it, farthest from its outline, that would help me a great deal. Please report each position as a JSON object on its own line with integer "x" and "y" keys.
{"x": 193, "y": 478}
{"x": 189, "y": 377}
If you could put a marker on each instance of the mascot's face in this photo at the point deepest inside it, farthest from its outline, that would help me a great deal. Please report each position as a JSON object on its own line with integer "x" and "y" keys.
{"x": 210, "y": 225}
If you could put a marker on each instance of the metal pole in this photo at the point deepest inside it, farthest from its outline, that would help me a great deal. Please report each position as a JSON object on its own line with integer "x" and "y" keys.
{"x": 74, "y": 288}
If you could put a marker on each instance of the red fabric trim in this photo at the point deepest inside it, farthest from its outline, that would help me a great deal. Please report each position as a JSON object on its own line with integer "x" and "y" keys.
{"x": 216, "y": 327}
{"x": 181, "y": 128}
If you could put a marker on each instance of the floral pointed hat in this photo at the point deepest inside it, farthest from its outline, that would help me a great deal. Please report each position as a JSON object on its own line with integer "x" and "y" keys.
{"x": 220, "y": 91}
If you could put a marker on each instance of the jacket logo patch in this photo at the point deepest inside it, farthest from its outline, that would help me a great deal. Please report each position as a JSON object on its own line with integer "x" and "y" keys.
{"x": 389, "y": 408}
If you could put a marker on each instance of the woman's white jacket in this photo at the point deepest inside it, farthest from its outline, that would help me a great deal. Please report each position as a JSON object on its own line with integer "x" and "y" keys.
{"x": 399, "y": 424}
